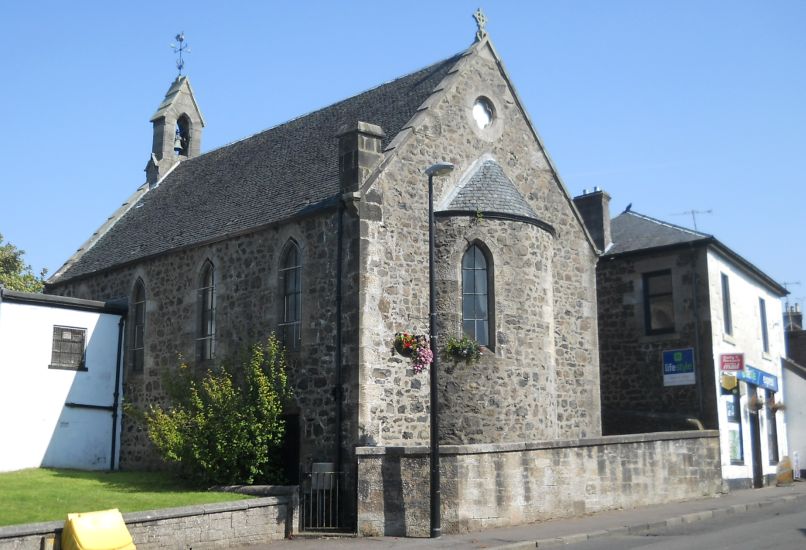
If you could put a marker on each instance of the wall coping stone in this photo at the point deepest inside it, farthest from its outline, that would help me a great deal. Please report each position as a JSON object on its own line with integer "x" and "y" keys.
{"x": 487, "y": 448}
{"x": 29, "y": 529}
{"x": 259, "y": 490}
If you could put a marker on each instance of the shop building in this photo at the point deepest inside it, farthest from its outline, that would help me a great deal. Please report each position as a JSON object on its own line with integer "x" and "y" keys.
{"x": 690, "y": 338}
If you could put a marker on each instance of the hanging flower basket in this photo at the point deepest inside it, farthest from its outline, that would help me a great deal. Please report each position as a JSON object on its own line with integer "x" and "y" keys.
{"x": 754, "y": 404}
{"x": 416, "y": 347}
{"x": 778, "y": 406}
{"x": 463, "y": 349}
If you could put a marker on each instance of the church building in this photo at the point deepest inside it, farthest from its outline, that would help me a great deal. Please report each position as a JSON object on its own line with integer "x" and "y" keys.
{"x": 318, "y": 229}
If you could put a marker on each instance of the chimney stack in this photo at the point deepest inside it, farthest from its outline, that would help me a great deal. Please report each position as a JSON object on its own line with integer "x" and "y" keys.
{"x": 359, "y": 153}
{"x": 793, "y": 318}
{"x": 595, "y": 210}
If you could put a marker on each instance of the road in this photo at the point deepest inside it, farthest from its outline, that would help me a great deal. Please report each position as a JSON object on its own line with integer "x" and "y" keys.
{"x": 778, "y": 527}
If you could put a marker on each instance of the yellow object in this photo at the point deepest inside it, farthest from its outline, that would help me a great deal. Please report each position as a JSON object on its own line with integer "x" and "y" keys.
{"x": 104, "y": 530}
{"x": 728, "y": 382}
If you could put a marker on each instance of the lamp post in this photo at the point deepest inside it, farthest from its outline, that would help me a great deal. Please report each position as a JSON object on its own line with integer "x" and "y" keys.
{"x": 437, "y": 169}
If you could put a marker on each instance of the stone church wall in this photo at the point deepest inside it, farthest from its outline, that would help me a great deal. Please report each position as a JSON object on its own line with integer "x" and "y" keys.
{"x": 394, "y": 267}
{"x": 248, "y": 309}
{"x": 510, "y": 394}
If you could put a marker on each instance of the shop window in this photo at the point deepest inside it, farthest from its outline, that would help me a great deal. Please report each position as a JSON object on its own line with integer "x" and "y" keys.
{"x": 67, "y": 351}
{"x": 772, "y": 427}
{"x": 735, "y": 444}
{"x": 658, "y": 302}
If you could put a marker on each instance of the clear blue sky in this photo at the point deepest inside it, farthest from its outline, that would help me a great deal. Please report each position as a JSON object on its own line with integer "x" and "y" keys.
{"x": 670, "y": 106}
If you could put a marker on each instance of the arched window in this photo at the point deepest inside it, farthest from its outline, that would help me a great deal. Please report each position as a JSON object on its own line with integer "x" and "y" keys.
{"x": 475, "y": 296}
{"x": 138, "y": 326}
{"x": 290, "y": 281}
{"x": 206, "y": 300}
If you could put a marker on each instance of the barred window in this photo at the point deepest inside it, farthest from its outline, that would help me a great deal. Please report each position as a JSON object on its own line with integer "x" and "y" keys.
{"x": 206, "y": 300}
{"x": 68, "y": 348}
{"x": 475, "y": 296}
{"x": 290, "y": 279}
{"x": 138, "y": 326}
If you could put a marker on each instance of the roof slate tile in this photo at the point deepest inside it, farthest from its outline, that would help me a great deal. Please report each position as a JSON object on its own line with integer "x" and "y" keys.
{"x": 263, "y": 179}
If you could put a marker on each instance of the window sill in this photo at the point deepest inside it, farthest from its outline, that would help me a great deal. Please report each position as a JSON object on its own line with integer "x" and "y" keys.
{"x": 728, "y": 339}
{"x": 65, "y": 367}
{"x": 766, "y": 356}
{"x": 660, "y": 337}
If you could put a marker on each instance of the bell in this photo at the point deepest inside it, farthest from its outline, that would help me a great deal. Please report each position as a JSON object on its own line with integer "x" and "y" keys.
{"x": 178, "y": 143}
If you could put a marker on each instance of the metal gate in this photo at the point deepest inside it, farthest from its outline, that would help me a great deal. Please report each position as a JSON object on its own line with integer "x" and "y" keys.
{"x": 319, "y": 502}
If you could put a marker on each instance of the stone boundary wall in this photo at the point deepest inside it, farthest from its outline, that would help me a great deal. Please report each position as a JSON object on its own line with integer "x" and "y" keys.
{"x": 219, "y": 525}
{"x": 516, "y": 483}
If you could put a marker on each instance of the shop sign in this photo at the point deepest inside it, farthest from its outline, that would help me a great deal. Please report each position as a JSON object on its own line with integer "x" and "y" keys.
{"x": 678, "y": 367}
{"x": 759, "y": 378}
{"x": 731, "y": 362}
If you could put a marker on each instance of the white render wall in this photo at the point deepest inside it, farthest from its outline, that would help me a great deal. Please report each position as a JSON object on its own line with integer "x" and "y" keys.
{"x": 747, "y": 339}
{"x": 36, "y": 429}
{"x": 795, "y": 400}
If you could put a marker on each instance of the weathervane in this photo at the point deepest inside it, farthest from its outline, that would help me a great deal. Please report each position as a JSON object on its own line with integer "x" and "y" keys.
{"x": 182, "y": 47}
{"x": 481, "y": 22}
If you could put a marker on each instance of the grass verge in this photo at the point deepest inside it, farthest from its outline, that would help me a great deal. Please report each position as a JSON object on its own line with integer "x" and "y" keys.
{"x": 34, "y": 495}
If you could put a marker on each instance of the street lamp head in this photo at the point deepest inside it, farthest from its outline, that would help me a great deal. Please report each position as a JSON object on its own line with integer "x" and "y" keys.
{"x": 439, "y": 169}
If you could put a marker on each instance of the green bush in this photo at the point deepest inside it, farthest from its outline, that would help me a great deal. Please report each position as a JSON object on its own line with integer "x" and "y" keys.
{"x": 225, "y": 427}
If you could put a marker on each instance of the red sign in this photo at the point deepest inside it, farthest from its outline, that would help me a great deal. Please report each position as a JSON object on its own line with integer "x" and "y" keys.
{"x": 731, "y": 362}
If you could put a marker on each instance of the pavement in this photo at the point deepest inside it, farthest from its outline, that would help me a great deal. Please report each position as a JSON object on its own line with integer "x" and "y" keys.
{"x": 555, "y": 533}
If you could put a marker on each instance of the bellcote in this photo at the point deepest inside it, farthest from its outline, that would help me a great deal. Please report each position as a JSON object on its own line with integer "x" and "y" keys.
{"x": 177, "y": 124}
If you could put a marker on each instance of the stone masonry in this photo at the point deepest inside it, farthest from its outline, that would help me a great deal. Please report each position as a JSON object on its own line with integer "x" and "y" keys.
{"x": 539, "y": 379}
{"x": 545, "y": 298}
{"x": 485, "y": 486}
{"x": 633, "y": 377}
{"x": 247, "y": 310}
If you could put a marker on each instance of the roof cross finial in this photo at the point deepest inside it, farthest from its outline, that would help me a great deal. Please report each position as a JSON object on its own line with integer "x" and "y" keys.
{"x": 481, "y": 22}
{"x": 180, "y": 48}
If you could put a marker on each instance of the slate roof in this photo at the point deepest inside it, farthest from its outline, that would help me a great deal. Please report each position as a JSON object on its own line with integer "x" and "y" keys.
{"x": 632, "y": 231}
{"x": 260, "y": 180}
{"x": 488, "y": 189}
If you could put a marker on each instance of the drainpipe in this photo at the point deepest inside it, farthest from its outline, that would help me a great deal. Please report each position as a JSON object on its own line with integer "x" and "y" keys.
{"x": 697, "y": 337}
{"x": 116, "y": 395}
{"x": 337, "y": 391}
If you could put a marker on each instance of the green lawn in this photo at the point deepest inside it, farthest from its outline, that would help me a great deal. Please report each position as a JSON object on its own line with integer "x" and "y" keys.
{"x": 34, "y": 495}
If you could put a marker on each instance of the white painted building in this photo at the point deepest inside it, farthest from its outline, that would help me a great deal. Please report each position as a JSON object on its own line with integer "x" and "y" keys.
{"x": 746, "y": 323}
{"x": 60, "y": 382}
{"x": 794, "y": 376}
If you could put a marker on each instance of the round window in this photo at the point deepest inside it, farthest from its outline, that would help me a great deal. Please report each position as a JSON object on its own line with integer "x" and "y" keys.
{"x": 483, "y": 112}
